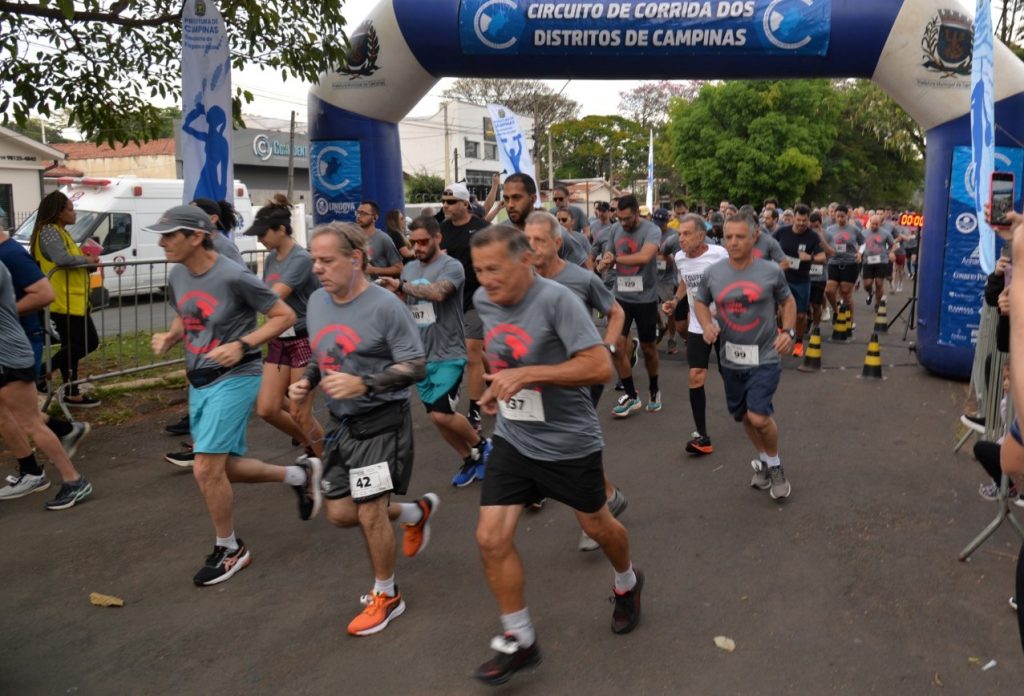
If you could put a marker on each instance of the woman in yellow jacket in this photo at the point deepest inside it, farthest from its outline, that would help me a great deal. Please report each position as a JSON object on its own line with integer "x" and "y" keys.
{"x": 52, "y": 247}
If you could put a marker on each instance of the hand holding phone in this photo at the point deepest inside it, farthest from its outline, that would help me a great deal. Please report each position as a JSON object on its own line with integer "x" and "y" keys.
{"x": 1001, "y": 199}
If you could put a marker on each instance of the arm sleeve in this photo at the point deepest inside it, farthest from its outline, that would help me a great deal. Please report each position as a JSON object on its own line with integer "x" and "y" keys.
{"x": 296, "y": 271}
{"x": 572, "y": 322}
{"x": 390, "y": 252}
{"x": 775, "y": 252}
{"x": 52, "y": 247}
{"x": 253, "y": 292}
{"x": 599, "y": 296}
{"x": 703, "y": 292}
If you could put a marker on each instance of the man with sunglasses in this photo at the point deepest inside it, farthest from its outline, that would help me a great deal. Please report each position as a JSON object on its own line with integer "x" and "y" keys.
{"x": 456, "y": 231}
{"x": 560, "y": 195}
{"x": 384, "y": 259}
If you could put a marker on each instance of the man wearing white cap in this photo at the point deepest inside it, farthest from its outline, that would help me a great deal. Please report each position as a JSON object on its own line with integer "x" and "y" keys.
{"x": 217, "y": 301}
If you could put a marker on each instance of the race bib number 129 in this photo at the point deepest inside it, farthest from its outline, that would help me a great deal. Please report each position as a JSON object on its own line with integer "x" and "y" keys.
{"x": 630, "y": 283}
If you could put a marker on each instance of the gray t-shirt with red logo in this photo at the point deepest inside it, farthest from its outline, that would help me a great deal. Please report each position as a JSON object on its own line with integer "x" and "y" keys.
{"x": 746, "y": 301}
{"x": 876, "y": 247}
{"x": 547, "y": 327}
{"x": 295, "y": 271}
{"x": 218, "y": 307}
{"x": 361, "y": 337}
{"x": 381, "y": 251}
{"x": 440, "y": 323}
{"x": 586, "y": 286}
{"x": 846, "y": 240}
{"x": 636, "y": 283}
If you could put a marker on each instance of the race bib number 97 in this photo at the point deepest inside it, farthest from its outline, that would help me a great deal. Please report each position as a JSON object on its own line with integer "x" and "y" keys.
{"x": 526, "y": 405}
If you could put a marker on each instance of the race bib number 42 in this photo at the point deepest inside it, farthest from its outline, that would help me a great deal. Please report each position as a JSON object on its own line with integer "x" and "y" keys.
{"x": 630, "y": 283}
{"x": 526, "y": 405}
{"x": 741, "y": 354}
{"x": 370, "y": 480}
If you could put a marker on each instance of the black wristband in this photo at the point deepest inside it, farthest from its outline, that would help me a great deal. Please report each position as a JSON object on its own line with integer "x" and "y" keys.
{"x": 245, "y": 346}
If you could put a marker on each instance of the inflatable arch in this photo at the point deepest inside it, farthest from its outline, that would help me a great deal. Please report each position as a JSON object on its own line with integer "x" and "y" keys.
{"x": 918, "y": 51}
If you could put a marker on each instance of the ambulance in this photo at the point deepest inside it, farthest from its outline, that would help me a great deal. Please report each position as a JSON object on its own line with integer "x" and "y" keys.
{"x": 113, "y": 214}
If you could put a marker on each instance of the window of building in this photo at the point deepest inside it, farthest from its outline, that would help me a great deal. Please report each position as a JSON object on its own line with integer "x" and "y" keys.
{"x": 479, "y": 178}
{"x": 472, "y": 149}
{"x": 7, "y": 206}
{"x": 489, "y": 135}
{"x": 490, "y": 151}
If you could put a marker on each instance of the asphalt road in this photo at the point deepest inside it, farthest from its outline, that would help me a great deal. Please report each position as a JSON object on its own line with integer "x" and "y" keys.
{"x": 849, "y": 587}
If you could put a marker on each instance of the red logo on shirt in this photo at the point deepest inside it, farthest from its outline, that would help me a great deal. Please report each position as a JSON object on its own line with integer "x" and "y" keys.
{"x": 506, "y": 345}
{"x": 624, "y": 246}
{"x": 736, "y": 305}
{"x": 195, "y": 309}
{"x": 271, "y": 279}
{"x": 333, "y": 344}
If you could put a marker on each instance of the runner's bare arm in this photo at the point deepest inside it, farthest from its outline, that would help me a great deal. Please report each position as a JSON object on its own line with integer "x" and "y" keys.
{"x": 434, "y": 292}
{"x": 588, "y": 366}
{"x": 616, "y": 318}
{"x": 707, "y": 323}
{"x": 162, "y": 342}
{"x": 647, "y": 252}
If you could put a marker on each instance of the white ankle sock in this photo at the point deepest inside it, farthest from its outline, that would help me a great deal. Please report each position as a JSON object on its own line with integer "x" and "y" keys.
{"x": 294, "y": 475}
{"x": 385, "y": 586}
{"x": 773, "y": 462}
{"x": 410, "y": 514}
{"x": 228, "y": 542}
{"x": 626, "y": 581}
{"x": 519, "y": 625}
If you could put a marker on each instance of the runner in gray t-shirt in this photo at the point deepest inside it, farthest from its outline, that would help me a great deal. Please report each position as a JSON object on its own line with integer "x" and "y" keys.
{"x": 366, "y": 354}
{"x": 432, "y": 286}
{"x": 383, "y": 258}
{"x": 668, "y": 276}
{"x": 748, "y": 293}
{"x": 601, "y": 261}
{"x": 842, "y": 246}
{"x": 543, "y": 350}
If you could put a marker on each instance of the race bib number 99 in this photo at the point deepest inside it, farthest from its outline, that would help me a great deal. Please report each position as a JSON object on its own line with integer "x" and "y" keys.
{"x": 526, "y": 405}
{"x": 367, "y": 481}
{"x": 742, "y": 354}
{"x": 630, "y": 283}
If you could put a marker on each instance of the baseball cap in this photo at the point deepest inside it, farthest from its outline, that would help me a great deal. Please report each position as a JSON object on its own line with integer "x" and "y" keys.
{"x": 268, "y": 218}
{"x": 456, "y": 192}
{"x": 182, "y": 217}
{"x": 662, "y": 215}
{"x": 644, "y": 211}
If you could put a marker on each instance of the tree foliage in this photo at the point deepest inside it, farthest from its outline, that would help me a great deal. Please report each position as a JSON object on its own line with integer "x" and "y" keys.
{"x": 611, "y": 147}
{"x": 423, "y": 187}
{"x": 34, "y": 128}
{"x": 796, "y": 140}
{"x": 648, "y": 103}
{"x": 103, "y": 63}
{"x": 525, "y": 97}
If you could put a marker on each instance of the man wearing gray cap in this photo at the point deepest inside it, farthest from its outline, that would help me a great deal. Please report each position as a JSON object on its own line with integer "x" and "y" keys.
{"x": 216, "y": 301}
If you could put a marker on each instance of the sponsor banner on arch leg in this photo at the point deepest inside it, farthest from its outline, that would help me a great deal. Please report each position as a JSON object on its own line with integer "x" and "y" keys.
{"x": 335, "y": 169}
{"x": 963, "y": 281}
{"x": 608, "y": 27}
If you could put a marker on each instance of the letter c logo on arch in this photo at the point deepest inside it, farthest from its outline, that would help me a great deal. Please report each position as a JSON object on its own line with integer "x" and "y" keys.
{"x": 792, "y": 24}
{"x": 495, "y": 25}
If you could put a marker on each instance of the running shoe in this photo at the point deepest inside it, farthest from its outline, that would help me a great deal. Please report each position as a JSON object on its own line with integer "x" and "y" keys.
{"x": 466, "y": 474}
{"x": 70, "y": 494}
{"x": 618, "y": 503}
{"x": 826, "y": 313}
{"x": 185, "y": 459}
{"x": 760, "y": 479}
{"x": 975, "y": 423}
{"x": 619, "y": 386}
{"x": 485, "y": 454}
{"x": 990, "y": 491}
{"x": 634, "y": 354}
{"x": 416, "y": 536}
{"x": 626, "y": 614}
{"x": 476, "y": 420}
{"x": 180, "y": 428}
{"x": 673, "y": 347}
{"x": 780, "y": 487}
{"x": 867, "y": 301}
{"x": 1013, "y": 603}
{"x": 626, "y": 405}
{"x": 537, "y": 505}
{"x": 654, "y": 405}
{"x": 222, "y": 564}
{"x": 798, "y": 349}
{"x": 23, "y": 484}
{"x": 586, "y": 543}
{"x": 511, "y": 657}
{"x": 82, "y": 401}
{"x": 700, "y": 444}
{"x": 379, "y": 612}
{"x": 310, "y": 496}
{"x": 70, "y": 442}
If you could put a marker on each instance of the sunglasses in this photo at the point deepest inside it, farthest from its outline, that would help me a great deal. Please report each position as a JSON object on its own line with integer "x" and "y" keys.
{"x": 558, "y": 199}
{"x": 420, "y": 242}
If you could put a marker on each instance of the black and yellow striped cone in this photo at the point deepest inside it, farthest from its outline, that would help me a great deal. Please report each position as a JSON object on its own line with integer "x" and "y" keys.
{"x": 812, "y": 356}
{"x": 842, "y": 328}
{"x": 881, "y": 319}
{"x": 873, "y": 360}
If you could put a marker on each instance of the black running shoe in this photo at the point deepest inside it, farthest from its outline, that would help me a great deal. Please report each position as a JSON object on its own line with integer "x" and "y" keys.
{"x": 626, "y": 615}
{"x": 70, "y": 494}
{"x": 180, "y": 428}
{"x": 222, "y": 564}
{"x": 185, "y": 459}
{"x": 310, "y": 497}
{"x": 475, "y": 420}
{"x": 70, "y": 442}
{"x": 511, "y": 657}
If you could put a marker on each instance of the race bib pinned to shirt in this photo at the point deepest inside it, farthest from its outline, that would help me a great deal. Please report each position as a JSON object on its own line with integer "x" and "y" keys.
{"x": 629, "y": 283}
{"x": 874, "y": 259}
{"x": 371, "y": 480}
{"x": 288, "y": 333}
{"x": 662, "y": 265}
{"x": 841, "y": 248}
{"x": 526, "y": 405}
{"x": 423, "y": 313}
{"x": 817, "y": 270}
{"x": 742, "y": 354}
{"x": 794, "y": 262}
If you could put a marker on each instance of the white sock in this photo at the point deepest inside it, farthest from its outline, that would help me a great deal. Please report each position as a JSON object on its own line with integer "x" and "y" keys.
{"x": 411, "y": 513}
{"x": 763, "y": 456}
{"x": 624, "y": 582}
{"x": 228, "y": 542}
{"x": 519, "y": 625}
{"x": 294, "y": 476}
{"x": 385, "y": 586}
{"x": 773, "y": 462}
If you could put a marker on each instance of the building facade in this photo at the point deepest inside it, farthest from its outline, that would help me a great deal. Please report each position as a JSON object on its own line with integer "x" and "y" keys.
{"x": 22, "y": 163}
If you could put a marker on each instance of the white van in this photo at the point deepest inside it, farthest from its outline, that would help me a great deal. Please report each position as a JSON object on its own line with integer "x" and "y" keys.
{"x": 113, "y": 212}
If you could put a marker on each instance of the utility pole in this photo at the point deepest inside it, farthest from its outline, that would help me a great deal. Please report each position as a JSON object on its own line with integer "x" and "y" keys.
{"x": 291, "y": 158}
{"x": 447, "y": 160}
{"x": 456, "y": 164}
{"x": 551, "y": 162}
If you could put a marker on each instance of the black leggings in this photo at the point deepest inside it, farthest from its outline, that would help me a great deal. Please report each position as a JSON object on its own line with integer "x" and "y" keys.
{"x": 77, "y": 339}
{"x": 987, "y": 454}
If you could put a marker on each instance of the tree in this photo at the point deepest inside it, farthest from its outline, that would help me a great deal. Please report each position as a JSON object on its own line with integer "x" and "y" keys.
{"x": 102, "y": 62}
{"x": 423, "y": 187}
{"x": 648, "y": 103}
{"x": 600, "y": 146}
{"x": 34, "y": 128}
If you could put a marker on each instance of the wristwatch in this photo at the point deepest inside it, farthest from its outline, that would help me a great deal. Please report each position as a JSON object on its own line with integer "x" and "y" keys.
{"x": 245, "y": 346}
{"x": 792, "y": 333}
{"x": 610, "y": 347}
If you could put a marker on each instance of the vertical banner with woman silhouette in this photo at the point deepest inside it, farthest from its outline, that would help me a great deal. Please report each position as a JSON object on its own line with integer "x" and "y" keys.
{"x": 513, "y": 151}
{"x": 206, "y": 103}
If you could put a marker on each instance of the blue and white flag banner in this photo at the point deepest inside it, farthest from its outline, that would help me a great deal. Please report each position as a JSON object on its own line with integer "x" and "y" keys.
{"x": 206, "y": 95}
{"x": 513, "y": 150}
{"x": 982, "y": 130}
{"x": 650, "y": 174}
{"x": 632, "y": 27}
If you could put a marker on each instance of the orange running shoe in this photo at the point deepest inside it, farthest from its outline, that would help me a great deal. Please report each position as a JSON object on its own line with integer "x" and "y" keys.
{"x": 380, "y": 610}
{"x": 798, "y": 350}
{"x": 415, "y": 537}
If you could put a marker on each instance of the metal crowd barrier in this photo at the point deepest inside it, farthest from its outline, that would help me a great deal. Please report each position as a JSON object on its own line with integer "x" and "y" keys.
{"x": 990, "y": 391}
{"x": 128, "y": 305}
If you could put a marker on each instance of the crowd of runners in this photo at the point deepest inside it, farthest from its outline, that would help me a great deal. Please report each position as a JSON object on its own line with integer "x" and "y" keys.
{"x": 538, "y": 314}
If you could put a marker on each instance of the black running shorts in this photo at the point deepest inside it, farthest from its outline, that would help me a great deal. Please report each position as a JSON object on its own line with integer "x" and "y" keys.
{"x": 646, "y": 316}
{"x": 343, "y": 453}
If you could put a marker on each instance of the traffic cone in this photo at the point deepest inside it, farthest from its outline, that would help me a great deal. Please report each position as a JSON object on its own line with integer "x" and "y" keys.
{"x": 873, "y": 360}
{"x": 812, "y": 356}
{"x": 841, "y": 329}
{"x": 881, "y": 320}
